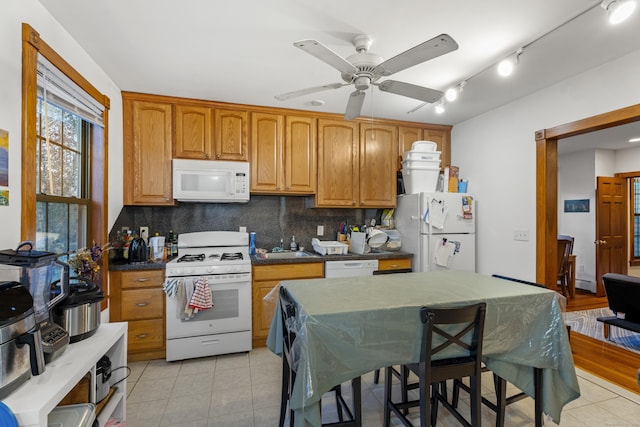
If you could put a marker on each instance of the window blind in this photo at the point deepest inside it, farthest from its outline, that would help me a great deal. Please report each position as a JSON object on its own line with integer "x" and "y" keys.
{"x": 62, "y": 91}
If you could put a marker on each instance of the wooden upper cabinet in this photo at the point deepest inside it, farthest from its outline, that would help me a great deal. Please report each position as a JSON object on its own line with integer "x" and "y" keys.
{"x": 231, "y": 134}
{"x": 407, "y": 135}
{"x": 147, "y": 148}
{"x": 338, "y": 164}
{"x": 194, "y": 132}
{"x": 378, "y": 154}
{"x": 267, "y": 158}
{"x": 283, "y": 154}
{"x": 300, "y": 146}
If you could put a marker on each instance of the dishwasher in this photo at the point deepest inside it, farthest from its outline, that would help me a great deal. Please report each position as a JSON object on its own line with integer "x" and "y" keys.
{"x": 353, "y": 268}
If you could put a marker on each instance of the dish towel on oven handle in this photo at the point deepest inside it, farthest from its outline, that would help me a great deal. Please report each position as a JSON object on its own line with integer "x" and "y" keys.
{"x": 201, "y": 298}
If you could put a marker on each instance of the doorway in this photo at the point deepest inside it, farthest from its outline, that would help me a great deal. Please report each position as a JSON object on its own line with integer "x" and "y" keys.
{"x": 547, "y": 185}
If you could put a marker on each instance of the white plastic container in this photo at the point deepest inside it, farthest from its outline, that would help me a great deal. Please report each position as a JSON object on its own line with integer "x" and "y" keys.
{"x": 421, "y": 155}
{"x": 424, "y": 146}
{"x": 421, "y": 164}
{"x": 420, "y": 180}
{"x": 156, "y": 243}
{"x": 329, "y": 247}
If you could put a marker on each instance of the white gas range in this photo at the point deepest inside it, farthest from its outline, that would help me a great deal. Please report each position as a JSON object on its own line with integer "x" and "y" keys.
{"x": 220, "y": 260}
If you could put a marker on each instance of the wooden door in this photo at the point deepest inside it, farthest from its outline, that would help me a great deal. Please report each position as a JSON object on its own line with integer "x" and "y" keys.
{"x": 611, "y": 228}
{"x": 406, "y": 137}
{"x": 378, "y": 151}
{"x": 231, "y": 134}
{"x": 147, "y": 153}
{"x": 338, "y": 164}
{"x": 300, "y": 155}
{"x": 267, "y": 161}
{"x": 194, "y": 132}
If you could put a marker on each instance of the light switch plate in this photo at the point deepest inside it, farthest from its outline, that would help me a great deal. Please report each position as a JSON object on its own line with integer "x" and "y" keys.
{"x": 320, "y": 230}
{"x": 243, "y": 229}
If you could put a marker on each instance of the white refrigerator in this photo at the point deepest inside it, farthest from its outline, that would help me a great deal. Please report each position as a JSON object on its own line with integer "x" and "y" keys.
{"x": 439, "y": 229}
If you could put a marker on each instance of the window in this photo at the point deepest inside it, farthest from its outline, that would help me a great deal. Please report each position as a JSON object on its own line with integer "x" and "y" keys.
{"x": 635, "y": 220}
{"x": 63, "y": 199}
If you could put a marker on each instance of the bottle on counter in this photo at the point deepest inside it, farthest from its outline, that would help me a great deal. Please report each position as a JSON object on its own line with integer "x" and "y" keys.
{"x": 174, "y": 245}
{"x": 294, "y": 245}
{"x": 252, "y": 243}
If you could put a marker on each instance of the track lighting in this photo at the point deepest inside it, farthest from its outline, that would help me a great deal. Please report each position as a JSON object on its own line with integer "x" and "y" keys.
{"x": 618, "y": 10}
{"x": 506, "y": 66}
{"x": 440, "y": 107}
{"x": 452, "y": 93}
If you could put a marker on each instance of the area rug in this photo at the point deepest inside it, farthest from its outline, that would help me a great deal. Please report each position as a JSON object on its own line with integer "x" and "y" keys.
{"x": 584, "y": 322}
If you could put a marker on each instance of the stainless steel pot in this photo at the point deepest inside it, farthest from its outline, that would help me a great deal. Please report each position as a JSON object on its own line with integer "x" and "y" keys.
{"x": 79, "y": 312}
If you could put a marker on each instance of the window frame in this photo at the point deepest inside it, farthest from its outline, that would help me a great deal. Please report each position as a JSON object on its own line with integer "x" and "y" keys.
{"x": 633, "y": 260}
{"x": 32, "y": 45}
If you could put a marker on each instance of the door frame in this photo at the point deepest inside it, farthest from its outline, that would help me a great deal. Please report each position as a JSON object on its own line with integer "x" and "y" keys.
{"x": 547, "y": 184}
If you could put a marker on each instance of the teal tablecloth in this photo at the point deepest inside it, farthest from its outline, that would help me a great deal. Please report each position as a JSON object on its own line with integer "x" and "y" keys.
{"x": 350, "y": 326}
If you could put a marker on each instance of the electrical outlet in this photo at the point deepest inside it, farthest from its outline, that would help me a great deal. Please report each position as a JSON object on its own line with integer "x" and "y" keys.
{"x": 320, "y": 230}
{"x": 243, "y": 229}
{"x": 144, "y": 233}
{"x": 521, "y": 234}
{"x": 581, "y": 268}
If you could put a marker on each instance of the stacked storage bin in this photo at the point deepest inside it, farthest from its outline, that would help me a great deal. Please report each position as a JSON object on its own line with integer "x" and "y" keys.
{"x": 421, "y": 167}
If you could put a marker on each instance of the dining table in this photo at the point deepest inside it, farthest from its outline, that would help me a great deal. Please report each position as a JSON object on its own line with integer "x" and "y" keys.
{"x": 347, "y": 327}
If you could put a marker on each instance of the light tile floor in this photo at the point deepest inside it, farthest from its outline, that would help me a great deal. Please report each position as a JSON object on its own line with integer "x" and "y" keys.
{"x": 243, "y": 390}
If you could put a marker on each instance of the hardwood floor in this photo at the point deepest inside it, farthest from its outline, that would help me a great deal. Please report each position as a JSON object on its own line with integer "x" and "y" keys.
{"x": 602, "y": 359}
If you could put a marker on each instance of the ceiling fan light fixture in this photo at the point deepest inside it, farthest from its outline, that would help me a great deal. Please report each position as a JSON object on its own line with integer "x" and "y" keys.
{"x": 618, "y": 10}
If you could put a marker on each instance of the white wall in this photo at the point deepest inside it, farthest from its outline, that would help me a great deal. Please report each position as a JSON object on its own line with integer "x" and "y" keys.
{"x": 14, "y": 13}
{"x": 506, "y": 191}
{"x": 576, "y": 180}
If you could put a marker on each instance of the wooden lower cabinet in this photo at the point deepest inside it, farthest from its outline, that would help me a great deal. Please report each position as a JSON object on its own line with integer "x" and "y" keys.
{"x": 394, "y": 264}
{"x": 137, "y": 298}
{"x": 265, "y": 278}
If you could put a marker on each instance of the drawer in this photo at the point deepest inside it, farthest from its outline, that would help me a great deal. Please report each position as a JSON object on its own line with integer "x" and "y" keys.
{"x": 142, "y": 304}
{"x": 394, "y": 264}
{"x": 288, "y": 271}
{"x": 141, "y": 279}
{"x": 145, "y": 335}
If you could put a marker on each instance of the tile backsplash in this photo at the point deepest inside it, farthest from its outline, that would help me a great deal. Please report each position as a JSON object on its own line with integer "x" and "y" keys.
{"x": 271, "y": 217}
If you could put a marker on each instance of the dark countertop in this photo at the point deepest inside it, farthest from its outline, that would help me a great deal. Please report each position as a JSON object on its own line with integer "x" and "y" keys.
{"x": 322, "y": 258}
{"x": 125, "y": 266}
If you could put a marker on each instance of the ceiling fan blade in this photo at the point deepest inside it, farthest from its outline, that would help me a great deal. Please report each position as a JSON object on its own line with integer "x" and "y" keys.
{"x": 412, "y": 91}
{"x": 307, "y": 91}
{"x": 323, "y": 53}
{"x": 430, "y": 49}
{"x": 354, "y": 106}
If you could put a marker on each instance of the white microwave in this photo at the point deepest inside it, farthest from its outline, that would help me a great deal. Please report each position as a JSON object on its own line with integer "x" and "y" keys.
{"x": 210, "y": 181}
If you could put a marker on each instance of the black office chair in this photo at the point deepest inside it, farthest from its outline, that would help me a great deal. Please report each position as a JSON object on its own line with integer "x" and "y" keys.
{"x": 289, "y": 332}
{"x": 444, "y": 330}
{"x": 499, "y": 383}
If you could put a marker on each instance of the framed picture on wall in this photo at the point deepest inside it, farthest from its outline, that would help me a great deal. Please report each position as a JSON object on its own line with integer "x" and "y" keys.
{"x": 579, "y": 205}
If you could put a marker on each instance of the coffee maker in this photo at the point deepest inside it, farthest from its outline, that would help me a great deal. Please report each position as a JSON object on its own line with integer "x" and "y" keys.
{"x": 21, "y": 352}
{"x": 47, "y": 279}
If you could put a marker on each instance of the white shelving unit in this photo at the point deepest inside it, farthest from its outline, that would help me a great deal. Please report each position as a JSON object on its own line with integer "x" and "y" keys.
{"x": 35, "y": 399}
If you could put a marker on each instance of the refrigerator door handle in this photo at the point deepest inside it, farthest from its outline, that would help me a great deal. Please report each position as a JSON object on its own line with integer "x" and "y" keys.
{"x": 415, "y": 218}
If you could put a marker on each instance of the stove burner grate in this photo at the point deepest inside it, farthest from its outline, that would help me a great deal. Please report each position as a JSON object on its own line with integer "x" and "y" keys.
{"x": 230, "y": 256}
{"x": 191, "y": 258}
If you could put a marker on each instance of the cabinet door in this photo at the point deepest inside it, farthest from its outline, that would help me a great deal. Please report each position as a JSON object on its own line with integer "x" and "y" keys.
{"x": 406, "y": 137}
{"x": 231, "y": 135}
{"x": 300, "y": 155}
{"x": 147, "y": 153}
{"x": 263, "y": 310}
{"x": 267, "y": 153}
{"x": 442, "y": 138}
{"x": 194, "y": 132}
{"x": 378, "y": 154}
{"x": 338, "y": 164}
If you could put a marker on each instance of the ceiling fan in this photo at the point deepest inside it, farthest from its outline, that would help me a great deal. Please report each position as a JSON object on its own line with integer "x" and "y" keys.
{"x": 364, "y": 69}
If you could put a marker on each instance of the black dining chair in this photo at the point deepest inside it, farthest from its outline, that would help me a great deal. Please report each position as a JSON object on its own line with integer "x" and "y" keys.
{"x": 565, "y": 249}
{"x": 499, "y": 383}
{"x": 288, "y": 310}
{"x": 451, "y": 348}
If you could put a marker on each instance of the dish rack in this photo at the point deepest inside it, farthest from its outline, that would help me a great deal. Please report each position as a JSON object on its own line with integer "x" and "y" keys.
{"x": 324, "y": 247}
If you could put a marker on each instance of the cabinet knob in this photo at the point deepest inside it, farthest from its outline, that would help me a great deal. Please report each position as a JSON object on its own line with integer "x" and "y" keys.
{"x": 354, "y": 203}
{"x": 207, "y": 155}
{"x": 142, "y": 279}
{"x": 142, "y": 336}
{"x": 142, "y": 304}
{"x": 217, "y": 156}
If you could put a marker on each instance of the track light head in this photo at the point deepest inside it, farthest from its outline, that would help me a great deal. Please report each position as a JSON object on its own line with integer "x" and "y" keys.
{"x": 618, "y": 10}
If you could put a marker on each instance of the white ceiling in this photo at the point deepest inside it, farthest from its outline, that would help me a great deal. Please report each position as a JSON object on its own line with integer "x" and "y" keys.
{"x": 242, "y": 51}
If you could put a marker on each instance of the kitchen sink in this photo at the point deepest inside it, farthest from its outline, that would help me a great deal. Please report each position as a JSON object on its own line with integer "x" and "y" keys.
{"x": 289, "y": 255}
